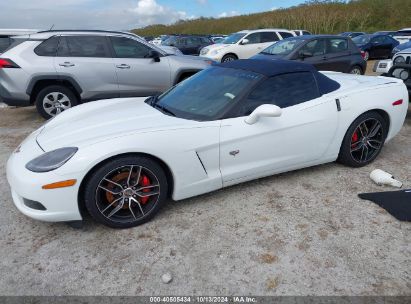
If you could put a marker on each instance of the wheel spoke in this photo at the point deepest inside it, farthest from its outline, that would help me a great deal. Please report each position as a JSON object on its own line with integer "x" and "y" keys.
{"x": 147, "y": 194}
{"x": 112, "y": 203}
{"x": 115, "y": 210}
{"x": 358, "y": 147}
{"x": 108, "y": 190}
{"x": 147, "y": 187}
{"x": 112, "y": 182}
{"x": 375, "y": 129}
{"x": 138, "y": 177}
{"x": 139, "y": 205}
{"x": 131, "y": 209}
{"x": 372, "y": 145}
{"x": 129, "y": 176}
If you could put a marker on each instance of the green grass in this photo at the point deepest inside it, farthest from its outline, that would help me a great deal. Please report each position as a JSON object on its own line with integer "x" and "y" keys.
{"x": 320, "y": 17}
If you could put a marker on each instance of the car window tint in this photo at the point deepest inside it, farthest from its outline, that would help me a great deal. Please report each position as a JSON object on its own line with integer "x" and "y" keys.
{"x": 83, "y": 46}
{"x": 297, "y": 33}
{"x": 378, "y": 39}
{"x": 282, "y": 90}
{"x": 269, "y": 37}
{"x": 129, "y": 48}
{"x": 254, "y": 38}
{"x": 306, "y": 33}
{"x": 336, "y": 45}
{"x": 315, "y": 47}
{"x": 5, "y": 42}
{"x": 48, "y": 47}
{"x": 286, "y": 35}
{"x": 387, "y": 39}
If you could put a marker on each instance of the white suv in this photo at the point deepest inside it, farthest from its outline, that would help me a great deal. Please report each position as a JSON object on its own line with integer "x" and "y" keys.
{"x": 244, "y": 44}
{"x": 403, "y": 35}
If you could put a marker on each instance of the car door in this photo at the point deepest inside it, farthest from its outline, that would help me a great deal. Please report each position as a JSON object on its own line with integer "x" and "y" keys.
{"x": 256, "y": 43}
{"x": 183, "y": 45}
{"x": 313, "y": 52}
{"x": 377, "y": 47}
{"x": 300, "y": 137}
{"x": 139, "y": 75}
{"x": 337, "y": 55}
{"x": 87, "y": 60}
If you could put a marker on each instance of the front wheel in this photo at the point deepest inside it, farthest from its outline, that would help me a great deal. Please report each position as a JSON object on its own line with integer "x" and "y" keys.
{"x": 229, "y": 57}
{"x": 364, "y": 140}
{"x": 126, "y": 192}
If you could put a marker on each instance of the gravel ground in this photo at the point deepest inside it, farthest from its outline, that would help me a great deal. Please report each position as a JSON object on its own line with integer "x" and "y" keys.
{"x": 301, "y": 233}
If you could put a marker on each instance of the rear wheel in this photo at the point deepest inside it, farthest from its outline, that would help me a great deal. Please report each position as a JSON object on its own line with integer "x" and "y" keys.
{"x": 126, "y": 192}
{"x": 53, "y": 100}
{"x": 356, "y": 70}
{"x": 364, "y": 140}
{"x": 229, "y": 57}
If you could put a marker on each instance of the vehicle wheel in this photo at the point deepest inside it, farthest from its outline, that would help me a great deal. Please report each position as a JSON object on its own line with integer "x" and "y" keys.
{"x": 126, "y": 192}
{"x": 229, "y": 57}
{"x": 364, "y": 140}
{"x": 356, "y": 70}
{"x": 53, "y": 100}
{"x": 366, "y": 55}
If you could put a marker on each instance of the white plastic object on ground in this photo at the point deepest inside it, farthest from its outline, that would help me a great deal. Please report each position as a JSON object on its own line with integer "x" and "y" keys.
{"x": 381, "y": 177}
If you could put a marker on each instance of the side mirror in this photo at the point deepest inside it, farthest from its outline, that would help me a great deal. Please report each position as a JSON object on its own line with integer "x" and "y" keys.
{"x": 305, "y": 54}
{"x": 265, "y": 110}
{"x": 245, "y": 41}
{"x": 154, "y": 55}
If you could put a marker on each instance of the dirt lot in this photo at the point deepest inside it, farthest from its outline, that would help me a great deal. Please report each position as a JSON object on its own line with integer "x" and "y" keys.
{"x": 299, "y": 233}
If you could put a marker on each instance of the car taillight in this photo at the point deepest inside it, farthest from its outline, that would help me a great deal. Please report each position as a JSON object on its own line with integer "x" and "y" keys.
{"x": 397, "y": 103}
{"x": 7, "y": 64}
{"x": 363, "y": 54}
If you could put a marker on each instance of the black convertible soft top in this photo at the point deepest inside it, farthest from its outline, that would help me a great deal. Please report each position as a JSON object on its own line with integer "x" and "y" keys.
{"x": 271, "y": 68}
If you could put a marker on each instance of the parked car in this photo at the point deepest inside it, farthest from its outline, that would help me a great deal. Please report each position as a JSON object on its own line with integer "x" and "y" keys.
{"x": 159, "y": 40}
{"x": 123, "y": 159}
{"x": 389, "y": 33}
{"x": 6, "y": 36}
{"x": 244, "y": 44}
{"x": 188, "y": 44}
{"x": 400, "y": 47}
{"x": 352, "y": 34}
{"x": 403, "y": 35}
{"x": 56, "y": 70}
{"x": 375, "y": 46}
{"x": 330, "y": 53}
{"x": 384, "y": 66}
{"x": 301, "y": 32}
{"x": 217, "y": 38}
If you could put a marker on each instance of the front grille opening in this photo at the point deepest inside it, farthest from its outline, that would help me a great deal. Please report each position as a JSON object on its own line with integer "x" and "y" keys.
{"x": 34, "y": 205}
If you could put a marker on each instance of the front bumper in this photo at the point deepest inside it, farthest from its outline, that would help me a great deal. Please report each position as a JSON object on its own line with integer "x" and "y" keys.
{"x": 26, "y": 186}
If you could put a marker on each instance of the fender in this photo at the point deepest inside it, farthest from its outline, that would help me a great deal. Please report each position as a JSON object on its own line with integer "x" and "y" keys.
{"x": 35, "y": 79}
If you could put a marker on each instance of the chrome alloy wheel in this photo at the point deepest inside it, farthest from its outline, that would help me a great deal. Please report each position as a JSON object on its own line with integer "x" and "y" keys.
{"x": 367, "y": 140}
{"x": 56, "y": 102}
{"x": 127, "y": 194}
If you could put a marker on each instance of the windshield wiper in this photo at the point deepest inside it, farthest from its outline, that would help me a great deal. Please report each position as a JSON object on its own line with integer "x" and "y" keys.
{"x": 163, "y": 109}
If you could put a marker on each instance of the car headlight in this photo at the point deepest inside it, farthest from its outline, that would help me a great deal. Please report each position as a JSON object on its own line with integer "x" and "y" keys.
{"x": 399, "y": 60}
{"x": 204, "y": 51}
{"x": 52, "y": 160}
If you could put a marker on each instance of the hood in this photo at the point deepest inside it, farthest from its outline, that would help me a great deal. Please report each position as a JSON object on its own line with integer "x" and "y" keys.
{"x": 216, "y": 47}
{"x": 101, "y": 120}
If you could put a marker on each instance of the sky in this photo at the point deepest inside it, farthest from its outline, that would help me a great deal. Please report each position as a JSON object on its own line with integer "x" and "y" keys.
{"x": 122, "y": 14}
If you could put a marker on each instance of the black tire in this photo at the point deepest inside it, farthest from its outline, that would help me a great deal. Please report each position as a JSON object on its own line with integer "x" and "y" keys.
{"x": 356, "y": 70}
{"x": 97, "y": 199}
{"x": 354, "y": 143}
{"x": 68, "y": 100}
{"x": 229, "y": 57}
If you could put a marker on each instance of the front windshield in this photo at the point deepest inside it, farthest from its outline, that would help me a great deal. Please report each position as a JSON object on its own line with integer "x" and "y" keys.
{"x": 208, "y": 94}
{"x": 233, "y": 38}
{"x": 283, "y": 47}
{"x": 363, "y": 39}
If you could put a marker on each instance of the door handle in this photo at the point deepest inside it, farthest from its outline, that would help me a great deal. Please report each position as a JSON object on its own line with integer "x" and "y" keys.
{"x": 67, "y": 64}
{"x": 123, "y": 66}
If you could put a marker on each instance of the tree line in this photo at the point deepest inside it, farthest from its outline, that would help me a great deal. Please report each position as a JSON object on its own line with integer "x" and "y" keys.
{"x": 316, "y": 16}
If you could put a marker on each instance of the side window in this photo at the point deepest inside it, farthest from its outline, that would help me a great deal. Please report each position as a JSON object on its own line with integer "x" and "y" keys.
{"x": 48, "y": 47}
{"x": 306, "y": 33}
{"x": 378, "y": 39}
{"x": 337, "y": 45}
{"x": 297, "y": 33}
{"x": 83, "y": 46}
{"x": 254, "y": 38}
{"x": 129, "y": 48}
{"x": 387, "y": 40}
{"x": 282, "y": 90}
{"x": 315, "y": 47}
{"x": 182, "y": 41}
{"x": 194, "y": 41}
{"x": 285, "y": 35}
{"x": 5, "y": 42}
{"x": 269, "y": 37}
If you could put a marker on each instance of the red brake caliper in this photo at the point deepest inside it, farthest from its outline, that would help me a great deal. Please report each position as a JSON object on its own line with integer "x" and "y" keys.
{"x": 354, "y": 138}
{"x": 144, "y": 183}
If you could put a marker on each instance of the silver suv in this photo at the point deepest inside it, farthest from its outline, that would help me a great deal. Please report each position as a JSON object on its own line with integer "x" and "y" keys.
{"x": 56, "y": 70}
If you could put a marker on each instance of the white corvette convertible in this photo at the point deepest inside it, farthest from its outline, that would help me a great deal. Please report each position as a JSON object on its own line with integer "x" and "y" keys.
{"x": 121, "y": 159}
